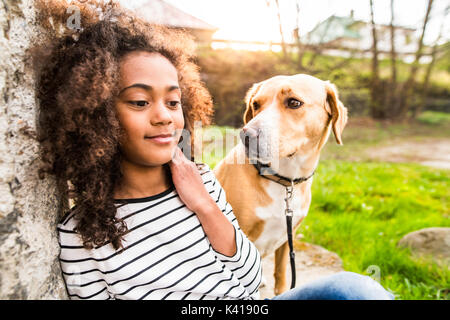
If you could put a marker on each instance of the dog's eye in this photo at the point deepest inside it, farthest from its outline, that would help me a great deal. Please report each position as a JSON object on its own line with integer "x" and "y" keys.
{"x": 293, "y": 103}
{"x": 255, "y": 105}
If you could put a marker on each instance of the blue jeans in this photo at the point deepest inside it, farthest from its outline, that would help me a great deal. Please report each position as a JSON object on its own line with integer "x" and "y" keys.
{"x": 339, "y": 286}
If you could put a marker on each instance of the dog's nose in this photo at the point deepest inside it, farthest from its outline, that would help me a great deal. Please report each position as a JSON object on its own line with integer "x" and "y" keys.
{"x": 248, "y": 133}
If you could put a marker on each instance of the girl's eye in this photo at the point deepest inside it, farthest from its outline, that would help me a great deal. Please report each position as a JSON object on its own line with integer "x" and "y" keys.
{"x": 174, "y": 104}
{"x": 140, "y": 103}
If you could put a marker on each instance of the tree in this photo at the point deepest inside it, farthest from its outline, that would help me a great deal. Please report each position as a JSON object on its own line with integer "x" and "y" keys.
{"x": 429, "y": 68}
{"x": 283, "y": 43}
{"x": 300, "y": 48}
{"x": 392, "y": 99}
{"x": 376, "y": 108}
{"x": 408, "y": 86}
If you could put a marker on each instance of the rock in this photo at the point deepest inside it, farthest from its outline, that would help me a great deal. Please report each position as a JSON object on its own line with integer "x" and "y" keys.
{"x": 311, "y": 263}
{"x": 29, "y": 206}
{"x": 429, "y": 242}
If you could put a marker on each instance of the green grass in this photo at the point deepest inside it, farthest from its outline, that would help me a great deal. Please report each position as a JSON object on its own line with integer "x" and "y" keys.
{"x": 434, "y": 118}
{"x": 361, "y": 209}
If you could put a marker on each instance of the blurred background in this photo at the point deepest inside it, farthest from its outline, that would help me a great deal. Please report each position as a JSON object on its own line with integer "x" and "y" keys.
{"x": 380, "y": 203}
{"x": 390, "y": 59}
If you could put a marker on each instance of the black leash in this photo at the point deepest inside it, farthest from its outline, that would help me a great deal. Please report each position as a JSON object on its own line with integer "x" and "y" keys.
{"x": 289, "y": 212}
{"x": 289, "y": 185}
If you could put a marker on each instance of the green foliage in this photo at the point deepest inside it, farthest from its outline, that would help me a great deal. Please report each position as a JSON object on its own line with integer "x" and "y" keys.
{"x": 229, "y": 74}
{"x": 434, "y": 118}
{"x": 443, "y": 61}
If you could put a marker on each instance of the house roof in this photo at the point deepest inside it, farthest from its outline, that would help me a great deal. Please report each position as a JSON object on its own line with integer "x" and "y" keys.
{"x": 332, "y": 28}
{"x": 335, "y": 27}
{"x": 160, "y": 12}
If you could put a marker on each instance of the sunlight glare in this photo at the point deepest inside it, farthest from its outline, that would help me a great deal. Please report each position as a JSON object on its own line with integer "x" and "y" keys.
{"x": 253, "y": 22}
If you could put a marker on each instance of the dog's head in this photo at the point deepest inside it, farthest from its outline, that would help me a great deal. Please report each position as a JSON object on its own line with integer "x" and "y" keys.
{"x": 289, "y": 116}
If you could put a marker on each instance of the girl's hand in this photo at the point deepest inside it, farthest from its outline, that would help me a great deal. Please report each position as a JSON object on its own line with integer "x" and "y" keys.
{"x": 188, "y": 182}
{"x": 192, "y": 192}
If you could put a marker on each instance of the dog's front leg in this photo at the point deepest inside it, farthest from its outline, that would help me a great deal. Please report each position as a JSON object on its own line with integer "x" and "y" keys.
{"x": 281, "y": 260}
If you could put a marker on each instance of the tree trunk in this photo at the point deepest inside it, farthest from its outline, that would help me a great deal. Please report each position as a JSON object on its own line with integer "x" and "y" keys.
{"x": 429, "y": 69}
{"x": 408, "y": 87}
{"x": 393, "y": 52}
{"x": 300, "y": 48}
{"x": 392, "y": 98}
{"x": 283, "y": 43}
{"x": 376, "y": 108}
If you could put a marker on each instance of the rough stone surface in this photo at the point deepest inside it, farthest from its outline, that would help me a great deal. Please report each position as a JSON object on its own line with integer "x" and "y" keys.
{"x": 311, "y": 263}
{"x": 431, "y": 242}
{"x": 29, "y": 268}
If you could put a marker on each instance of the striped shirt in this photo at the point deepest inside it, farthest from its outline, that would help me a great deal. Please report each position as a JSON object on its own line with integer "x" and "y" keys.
{"x": 166, "y": 254}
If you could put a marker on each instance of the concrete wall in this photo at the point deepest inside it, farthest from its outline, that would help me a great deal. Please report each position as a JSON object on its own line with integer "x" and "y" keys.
{"x": 29, "y": 267}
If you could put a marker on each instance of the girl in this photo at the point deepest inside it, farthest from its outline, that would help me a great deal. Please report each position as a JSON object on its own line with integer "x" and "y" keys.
{"x": 147, "y": 222}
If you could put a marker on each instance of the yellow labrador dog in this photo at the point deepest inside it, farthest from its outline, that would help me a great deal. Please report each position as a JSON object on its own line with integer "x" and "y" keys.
{"x": 287, "y": 122}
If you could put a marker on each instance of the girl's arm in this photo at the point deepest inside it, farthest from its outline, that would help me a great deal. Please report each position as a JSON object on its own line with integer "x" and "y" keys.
{"x": 190, "y": 188}
{"x": 208, "y": 200}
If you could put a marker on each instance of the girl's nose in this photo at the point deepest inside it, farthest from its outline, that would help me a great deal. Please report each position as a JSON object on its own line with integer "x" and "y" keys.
{"x": 160, "y": 115}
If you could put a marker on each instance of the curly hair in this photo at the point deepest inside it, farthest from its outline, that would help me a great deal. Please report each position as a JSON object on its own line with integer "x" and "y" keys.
{"x": 77, "y": 83}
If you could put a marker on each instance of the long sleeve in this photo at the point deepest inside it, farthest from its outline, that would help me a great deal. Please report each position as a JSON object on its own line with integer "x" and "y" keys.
{"x": 246, "y": 262}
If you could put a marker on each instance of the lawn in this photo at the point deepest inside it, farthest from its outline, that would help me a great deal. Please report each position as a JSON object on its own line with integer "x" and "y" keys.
{"x": 361, "y": 208}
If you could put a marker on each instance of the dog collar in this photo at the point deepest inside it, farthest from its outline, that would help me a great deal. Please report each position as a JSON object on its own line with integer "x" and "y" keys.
{"x": 267, "y": 172}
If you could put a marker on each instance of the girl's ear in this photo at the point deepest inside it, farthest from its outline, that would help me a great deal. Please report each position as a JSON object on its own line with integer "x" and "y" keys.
{"x": 337, "y": 111}
{"x": 248, "y": 114}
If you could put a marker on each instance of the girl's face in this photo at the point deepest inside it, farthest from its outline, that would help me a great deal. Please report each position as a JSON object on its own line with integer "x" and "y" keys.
{"x": 149, "y": 108}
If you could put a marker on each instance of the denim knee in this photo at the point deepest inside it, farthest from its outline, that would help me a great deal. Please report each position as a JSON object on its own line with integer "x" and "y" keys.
{"x": 340, "y": 286}
{"x": 355, "y": 286}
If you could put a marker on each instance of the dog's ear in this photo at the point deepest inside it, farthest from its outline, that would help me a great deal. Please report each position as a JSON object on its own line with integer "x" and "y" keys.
{"x": 248, "y": 114}
{"x": 336, "y": 110}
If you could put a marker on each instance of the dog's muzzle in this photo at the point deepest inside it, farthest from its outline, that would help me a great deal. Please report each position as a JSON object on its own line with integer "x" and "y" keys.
{"x": 256, "y": 142}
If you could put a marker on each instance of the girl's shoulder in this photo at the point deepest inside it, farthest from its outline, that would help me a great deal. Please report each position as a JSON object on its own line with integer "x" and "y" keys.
{"x": 68, "y": 222}
{"x": 208, "y": 177}
{"x": 205, "y": 171}
{"x": 202, "y": 167}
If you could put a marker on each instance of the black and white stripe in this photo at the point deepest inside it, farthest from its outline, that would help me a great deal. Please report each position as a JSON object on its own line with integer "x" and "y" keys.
{"x": 166, "y": 255}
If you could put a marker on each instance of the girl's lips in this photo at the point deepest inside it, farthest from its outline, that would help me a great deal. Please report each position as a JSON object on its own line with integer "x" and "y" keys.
{"x": 161, "y": 139}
